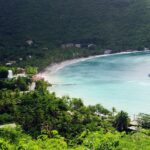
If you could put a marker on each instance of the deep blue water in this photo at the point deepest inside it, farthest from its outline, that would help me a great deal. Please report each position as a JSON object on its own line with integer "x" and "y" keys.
{"x": 120, "y": 80}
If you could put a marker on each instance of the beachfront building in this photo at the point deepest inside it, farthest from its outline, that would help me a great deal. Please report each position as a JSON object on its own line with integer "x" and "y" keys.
{"x": 108, "y": 51}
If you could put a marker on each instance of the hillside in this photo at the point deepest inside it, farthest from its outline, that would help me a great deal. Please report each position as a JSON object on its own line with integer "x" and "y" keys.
{"x": 115, "y": 24}
{"x": 108, "y": 24}
{"x": 39, "y": 120}
{"x": 35, "y": 33}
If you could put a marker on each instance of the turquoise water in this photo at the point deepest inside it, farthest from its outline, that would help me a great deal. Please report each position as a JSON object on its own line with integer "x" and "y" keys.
{"x": 119, "y": 80}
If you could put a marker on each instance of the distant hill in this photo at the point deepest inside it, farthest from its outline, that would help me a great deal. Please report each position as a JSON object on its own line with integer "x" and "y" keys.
{"x": 115, "y": 24}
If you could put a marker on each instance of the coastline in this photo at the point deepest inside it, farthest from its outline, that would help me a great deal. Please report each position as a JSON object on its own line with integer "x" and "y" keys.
{"x": 49, "y": 72}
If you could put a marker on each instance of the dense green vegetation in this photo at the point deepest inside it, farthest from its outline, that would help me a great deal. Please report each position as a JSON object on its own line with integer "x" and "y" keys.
{"x": 12, "y": 139}
{"x": 40, "y": 58}
{"x": 31, "y": 36}
{"x": 45, "y": 121}
{"x": 109, "y": 24}
{"x": 144, "y": 120}
{"x": 20, "y": 83}
{"x": 3, "y": 72}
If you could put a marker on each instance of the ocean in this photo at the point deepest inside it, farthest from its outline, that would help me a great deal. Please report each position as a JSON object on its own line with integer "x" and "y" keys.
{"x": 121, "y": 81}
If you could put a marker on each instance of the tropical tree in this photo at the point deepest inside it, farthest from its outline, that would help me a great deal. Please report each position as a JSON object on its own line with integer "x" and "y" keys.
{"x": 122, "y": 121}
{"x": 144, "y": 120}
{"x": 3, "y": 72}
{"x": 102, "y": 141}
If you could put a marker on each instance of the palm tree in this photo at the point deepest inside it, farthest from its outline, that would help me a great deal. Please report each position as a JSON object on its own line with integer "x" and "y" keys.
{"x": 122, "y": 121}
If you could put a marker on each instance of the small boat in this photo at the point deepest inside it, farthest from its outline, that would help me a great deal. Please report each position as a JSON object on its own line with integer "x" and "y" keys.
{"x": 148, "y": 75}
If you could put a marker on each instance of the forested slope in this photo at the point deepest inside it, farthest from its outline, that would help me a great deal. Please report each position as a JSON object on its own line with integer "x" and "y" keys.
{"x": 115, "y": 24}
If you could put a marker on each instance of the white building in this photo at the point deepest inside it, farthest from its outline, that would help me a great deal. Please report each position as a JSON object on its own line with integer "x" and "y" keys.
{"x": 10, "y": 74}
{"x": 68, "y": 45}
{"x": 29, "y": 42}
{"x": 107, "y": 51}
{"x": 10, "y": 63}
{"x": 77, "y": 45}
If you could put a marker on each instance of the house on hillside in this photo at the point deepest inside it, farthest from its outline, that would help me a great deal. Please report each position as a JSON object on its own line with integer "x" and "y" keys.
{"x": 133, "y": 125}
{"x": 20, "y": 59}
{"x": 20, "y": 75}
{"x": 108, "y": 51}
{"x": 9, "y": 63}
{"x": 10, "y": 74}
{"x": 29, "y": 42}
{"x": 77, "y": 45}
{"x": 67, "y": 45}
{"x": 21, "y": 71}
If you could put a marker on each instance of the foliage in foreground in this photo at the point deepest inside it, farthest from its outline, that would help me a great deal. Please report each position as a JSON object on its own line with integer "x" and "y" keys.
{"x": 51, "y": 122}
{"x": 16, "y": 139}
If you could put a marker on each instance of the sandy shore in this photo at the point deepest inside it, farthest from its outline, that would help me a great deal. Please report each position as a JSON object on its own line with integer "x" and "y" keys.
{"x": 49, "y": 73}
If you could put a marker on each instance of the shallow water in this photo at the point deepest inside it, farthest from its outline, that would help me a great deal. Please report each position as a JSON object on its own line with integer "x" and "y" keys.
{"x": 119, "y": 80}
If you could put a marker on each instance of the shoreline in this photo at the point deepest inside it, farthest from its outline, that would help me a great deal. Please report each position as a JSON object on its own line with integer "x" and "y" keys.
{"x": 49, "y": 72}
